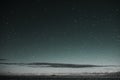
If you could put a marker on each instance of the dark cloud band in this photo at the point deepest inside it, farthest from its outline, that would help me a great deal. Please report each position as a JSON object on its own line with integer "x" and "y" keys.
{"x": 55, "y": 65}
{"x": 3, "y": 59}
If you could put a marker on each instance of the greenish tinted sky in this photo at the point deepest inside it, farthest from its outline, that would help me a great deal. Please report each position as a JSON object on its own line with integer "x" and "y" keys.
{"x": 60, "y": 31}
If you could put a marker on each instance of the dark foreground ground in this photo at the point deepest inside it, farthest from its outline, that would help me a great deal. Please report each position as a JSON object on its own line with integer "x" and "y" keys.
{"x": 51, "y": 78}
{"x": 55, "y": 78}
{"x": 113, "y": 76}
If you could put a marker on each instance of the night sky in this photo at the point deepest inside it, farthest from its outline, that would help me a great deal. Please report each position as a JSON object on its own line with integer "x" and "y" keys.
{"x": 60, "y": 31}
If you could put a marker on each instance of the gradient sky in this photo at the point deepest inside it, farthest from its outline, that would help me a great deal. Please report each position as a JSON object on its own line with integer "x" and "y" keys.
{"x": 75, "y": 31}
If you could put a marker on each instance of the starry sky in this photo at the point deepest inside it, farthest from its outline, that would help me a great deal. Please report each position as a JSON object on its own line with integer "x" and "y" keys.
{"x": 60, "y": 31}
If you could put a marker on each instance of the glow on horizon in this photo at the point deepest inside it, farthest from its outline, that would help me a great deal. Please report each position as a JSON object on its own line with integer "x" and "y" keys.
{"x": 25, "y": 70}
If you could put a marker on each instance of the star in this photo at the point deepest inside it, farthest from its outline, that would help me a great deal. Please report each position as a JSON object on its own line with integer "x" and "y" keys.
{"x": 6, "y": 23}
{"x": 73, "y": 9}
{"x": 117, "y": 9}
{"x": 93, "y": 24}
{"x": 75, "y": 21}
